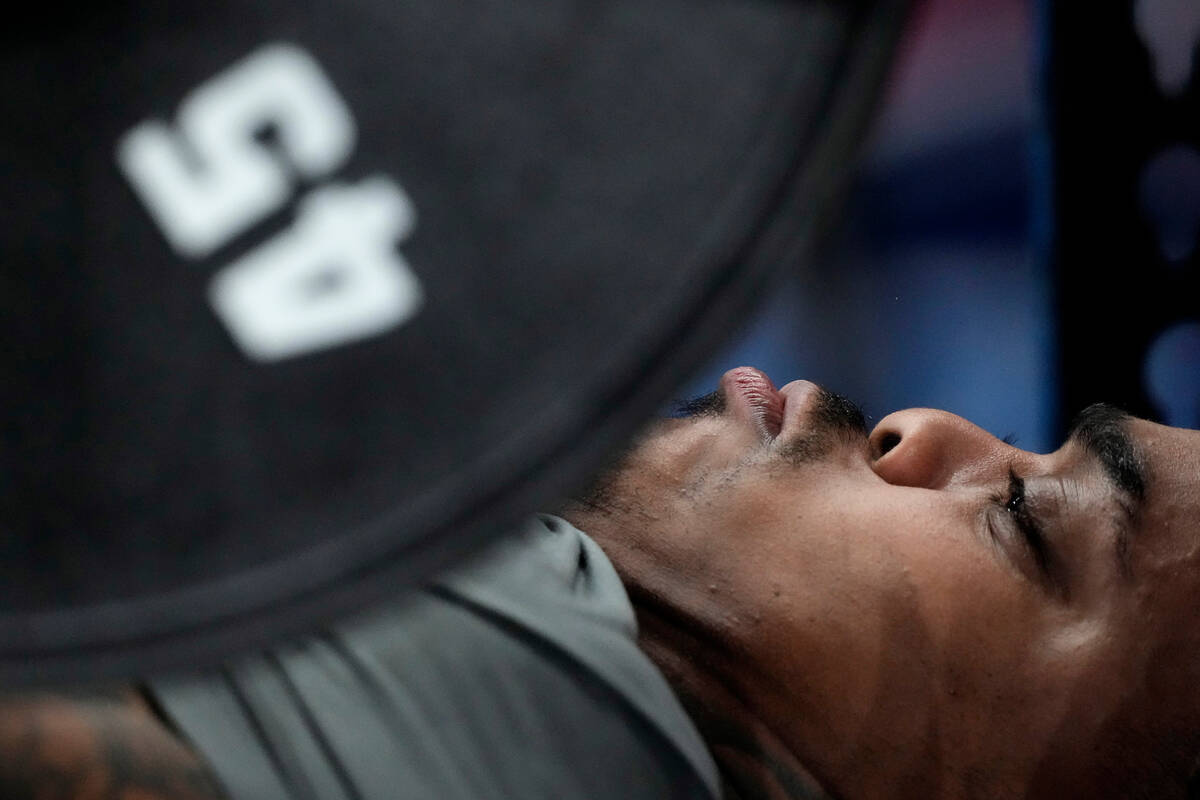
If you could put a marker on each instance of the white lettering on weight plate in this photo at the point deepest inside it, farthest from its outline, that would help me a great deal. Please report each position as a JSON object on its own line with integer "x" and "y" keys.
{"x": 335, "y": 276}
{"x": 209, "y": 178}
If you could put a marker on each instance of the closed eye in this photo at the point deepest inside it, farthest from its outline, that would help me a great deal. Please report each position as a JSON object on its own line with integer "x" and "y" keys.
{"x": 1015, "y": 506}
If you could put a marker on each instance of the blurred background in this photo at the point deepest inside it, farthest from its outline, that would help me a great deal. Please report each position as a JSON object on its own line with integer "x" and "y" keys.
{"x": 941, "y": 288}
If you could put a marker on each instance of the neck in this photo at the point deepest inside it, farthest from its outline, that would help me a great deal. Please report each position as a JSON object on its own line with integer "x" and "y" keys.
{"x": 753, "y": 761}
{"x": 685, "y": 629}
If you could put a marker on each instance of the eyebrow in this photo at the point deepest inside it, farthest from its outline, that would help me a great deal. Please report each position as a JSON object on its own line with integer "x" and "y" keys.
{"x": 1101, "y": 430}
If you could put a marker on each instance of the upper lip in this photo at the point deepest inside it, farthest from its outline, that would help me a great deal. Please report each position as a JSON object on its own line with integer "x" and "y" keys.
{"x": 796, "y": 400}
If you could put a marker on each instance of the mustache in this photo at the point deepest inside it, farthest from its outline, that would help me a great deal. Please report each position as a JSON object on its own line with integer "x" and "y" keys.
{"x": 837, "y": 412}
{"x": 834, "y": 418}
{"x": 832, "y": 411}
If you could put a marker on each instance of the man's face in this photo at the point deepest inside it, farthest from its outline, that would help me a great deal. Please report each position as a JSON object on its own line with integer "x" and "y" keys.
{"x": 927, "y": 604}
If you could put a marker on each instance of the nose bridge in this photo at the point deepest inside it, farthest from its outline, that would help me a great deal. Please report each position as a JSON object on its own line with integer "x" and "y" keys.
{"x": 933, "y": 449}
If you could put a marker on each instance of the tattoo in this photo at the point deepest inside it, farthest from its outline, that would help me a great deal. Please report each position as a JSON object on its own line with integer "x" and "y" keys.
{"x": 753, "y": 786}
{"x": 753, "y": 762}
{"x": 94, "y": 746}
{"x": 749, "y": 772}
{"x": 753, "y": 766}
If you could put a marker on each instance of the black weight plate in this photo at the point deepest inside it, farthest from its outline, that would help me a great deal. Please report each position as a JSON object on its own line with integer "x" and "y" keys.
{"x": 301, "y": 301}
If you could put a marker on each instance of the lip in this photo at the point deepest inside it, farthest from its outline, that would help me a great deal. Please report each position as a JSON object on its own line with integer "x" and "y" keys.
{"x": 750, "y": 395}
{"x": 798, "y": 399}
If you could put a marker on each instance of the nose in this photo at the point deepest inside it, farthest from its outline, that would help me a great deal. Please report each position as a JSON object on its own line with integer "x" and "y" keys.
{"x": 935, "y": 449}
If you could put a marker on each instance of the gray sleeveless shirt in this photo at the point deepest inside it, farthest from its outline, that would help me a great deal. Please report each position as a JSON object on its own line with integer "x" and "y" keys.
{"x": 517, "y": 676}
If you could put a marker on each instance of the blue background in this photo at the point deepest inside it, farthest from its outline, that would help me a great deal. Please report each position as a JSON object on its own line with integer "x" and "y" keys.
{"x": 937, "y": 292}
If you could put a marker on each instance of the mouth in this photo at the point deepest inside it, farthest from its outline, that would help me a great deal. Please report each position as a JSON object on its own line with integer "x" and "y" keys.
{"x": 751, "y": 395}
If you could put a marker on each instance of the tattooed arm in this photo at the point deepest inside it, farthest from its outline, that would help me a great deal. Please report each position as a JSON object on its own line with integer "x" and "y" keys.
{"x": 94, "y": 746}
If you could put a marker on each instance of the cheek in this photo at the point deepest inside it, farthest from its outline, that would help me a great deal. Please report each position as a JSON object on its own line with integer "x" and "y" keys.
{"x": 997, "y": 655}
{"x": 903, "y": 572}
{"x": 867, "y": 564}
{"x": 978, "y": 616}
{"x": 875, "y": 611}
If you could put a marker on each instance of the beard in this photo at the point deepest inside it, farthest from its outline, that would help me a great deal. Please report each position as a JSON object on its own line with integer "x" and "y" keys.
{"x": 834, "y": 418}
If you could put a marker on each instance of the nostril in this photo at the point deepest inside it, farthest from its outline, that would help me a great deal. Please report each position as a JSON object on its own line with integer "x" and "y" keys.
{"x": 886, "y": 443}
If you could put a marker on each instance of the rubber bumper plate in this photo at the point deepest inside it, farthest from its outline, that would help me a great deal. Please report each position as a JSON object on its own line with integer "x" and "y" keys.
{"x": 303, "y": 301}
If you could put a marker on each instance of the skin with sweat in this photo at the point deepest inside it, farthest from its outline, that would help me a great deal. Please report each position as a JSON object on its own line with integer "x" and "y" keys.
{"x": 918, "y": 611}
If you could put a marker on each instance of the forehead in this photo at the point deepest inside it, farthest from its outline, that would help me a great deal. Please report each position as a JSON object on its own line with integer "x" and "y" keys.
{"x": 1163, "y": 634}
{"x": 1173, "y": 457}
{"x": 1170, "y": 525}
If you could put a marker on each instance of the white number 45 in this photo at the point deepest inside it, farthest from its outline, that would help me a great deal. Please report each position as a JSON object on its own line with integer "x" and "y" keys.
{"x": 336, "y": 276}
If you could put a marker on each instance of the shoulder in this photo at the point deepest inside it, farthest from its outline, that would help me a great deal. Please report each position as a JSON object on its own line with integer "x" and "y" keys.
{"x": 94, "y": 744}
{"x": 518, "y": 675}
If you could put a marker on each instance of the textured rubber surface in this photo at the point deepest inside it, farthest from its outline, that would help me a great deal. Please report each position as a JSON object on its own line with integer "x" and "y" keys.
{"x": 597, "y": 191}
